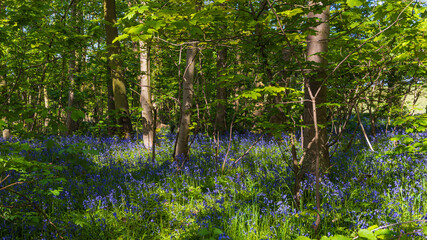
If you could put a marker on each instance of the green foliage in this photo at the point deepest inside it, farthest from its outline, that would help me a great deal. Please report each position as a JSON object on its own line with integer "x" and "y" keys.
{"x": 41, "y": 178}
{"x": 405, "y": 143}
{"x": 366, "y": 234}
{"x": 354, "y": 3}
{"x": 209, "y": 233}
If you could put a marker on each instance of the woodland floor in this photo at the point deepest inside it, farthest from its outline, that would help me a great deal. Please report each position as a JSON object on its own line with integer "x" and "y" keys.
{"x": 107, "y": 188}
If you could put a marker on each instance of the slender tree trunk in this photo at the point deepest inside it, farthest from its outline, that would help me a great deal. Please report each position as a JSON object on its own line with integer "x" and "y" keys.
{"x": 111, "y": 121}
{"x": 147, "y": 108}
{"x": 70, "y": 123}
{"x": 182, "y": 149}
{"x": 73, "y": 71}
{"x": 46, "y": 105}
{"x": 221, "y": 91}
{"x": 116, "y": 72}
{"x": 315, "y": 94}
{"x": 3, "y": 85}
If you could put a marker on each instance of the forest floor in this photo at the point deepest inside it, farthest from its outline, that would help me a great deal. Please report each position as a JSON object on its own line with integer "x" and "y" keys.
{"x": 107, "y": 188}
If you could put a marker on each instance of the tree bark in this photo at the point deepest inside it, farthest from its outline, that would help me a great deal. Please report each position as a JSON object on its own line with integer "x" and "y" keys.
{"x": 315, "y": 94}
{"x": 73, "y": 71}
{"x": 121, "y": 104}
{"x": 221, "y": 91}
{"x": 147, "y": 108}
{"x": 182, "y": 149}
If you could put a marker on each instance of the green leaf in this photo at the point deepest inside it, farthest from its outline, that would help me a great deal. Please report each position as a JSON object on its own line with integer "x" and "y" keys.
{"x": 339, "y": 237}
{"x": 407, "y": 140}
{"x": 372, "y": 227}
{"x": 302, "y": 238}
{"x": 365, "y": 233}
{"x": 2, "y": 123}
{"x": 291, "y": 13}
{"x": 121, "y": 37}
{"x": 29, "y": 120}
{"x": 384, "y": 232}
{"x": 77, "y": 115}
{"x": 142, "y": 9}
{"x": 395, "y": 138}
{"x": 55, "y": 192}
{"x": 425, "y": 230}
{"x": 155, "y": 24}
{"x": 217, "y": 231}
{"x": 136, "y": 29}
{"x": 354, "y": 3}
{"x": 203, "y": 232}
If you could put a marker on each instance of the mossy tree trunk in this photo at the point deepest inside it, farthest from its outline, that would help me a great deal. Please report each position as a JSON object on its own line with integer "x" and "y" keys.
{"x": 118, "y": 83}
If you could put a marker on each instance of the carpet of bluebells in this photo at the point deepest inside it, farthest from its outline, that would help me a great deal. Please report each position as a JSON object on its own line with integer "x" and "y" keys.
{"x": 107, "y": 188}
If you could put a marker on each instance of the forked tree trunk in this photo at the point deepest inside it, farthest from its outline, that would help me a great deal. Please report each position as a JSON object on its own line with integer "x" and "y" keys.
{"x": 182, "y": 149}
{"x": 316, "y": 154}
{"x": 116, "y": 72}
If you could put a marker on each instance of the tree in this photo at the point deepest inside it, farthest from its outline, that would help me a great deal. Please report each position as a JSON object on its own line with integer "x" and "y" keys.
{"x": 221, "y": 91}
{"x": 315, "y": 95}
{"x": 182, "y": 148}
{"x": 118, "y": 82}
{"x": 73, "y": 71}
{"x": 148, "y": 127}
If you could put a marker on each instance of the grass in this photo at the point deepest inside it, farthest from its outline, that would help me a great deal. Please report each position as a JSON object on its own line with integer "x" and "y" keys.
{"x": 114, "y": 191}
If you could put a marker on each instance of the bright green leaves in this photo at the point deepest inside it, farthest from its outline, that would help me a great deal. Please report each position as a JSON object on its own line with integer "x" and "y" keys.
{"x": 135, "y": 29}
{"x": 302, "y": 238}
{"x": 136, "y": 10}
{"x": 269, "y": 90}
{"x": 336, "y": 237}
{"x": 121, "y": 37}
{"x": 291, "y": 13}
{"x": 354, "y": 3}
{"x": 251, "y": 94}
{"x": 143, "y": 31}
{"x": 384, "y": 234}
{"x": 366, "y": 234}
{"x": 258, "y": 92}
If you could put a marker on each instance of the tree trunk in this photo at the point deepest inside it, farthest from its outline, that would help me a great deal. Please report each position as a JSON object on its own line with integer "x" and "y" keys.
{"x": 147, "y": 107}
{"x": 221, "y": 91}
{"x": 116, "y": 72}
{"x": 46, "y": 105}
{"x": 70, "y": 123}
{"x": 182, "y": 149}
{"x": 315, "y": 94}
{"x": 73, "y": 71}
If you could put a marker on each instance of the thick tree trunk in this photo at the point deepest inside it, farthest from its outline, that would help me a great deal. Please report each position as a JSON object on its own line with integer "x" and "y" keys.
{"x": 147, "y": 108}
{"x": 221, "y": 91}
{"x": 182, "y": 149}
{"x": 116, "y": 72}
{"x": 315, "y": 94}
